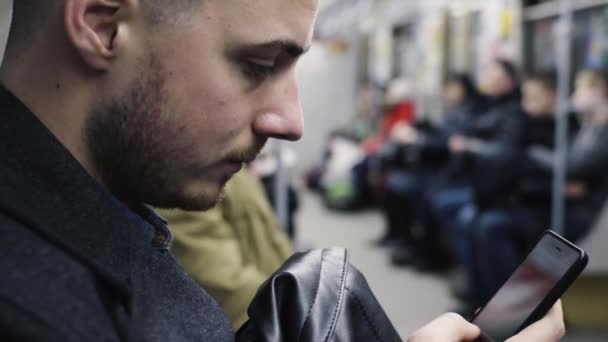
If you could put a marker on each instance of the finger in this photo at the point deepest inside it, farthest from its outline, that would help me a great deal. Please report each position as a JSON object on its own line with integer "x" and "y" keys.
{"x": 448, "y": 327}
{"x": 557, "y": 316}
{"x": 463, "y": 330}
{"x": 557, "y": 311}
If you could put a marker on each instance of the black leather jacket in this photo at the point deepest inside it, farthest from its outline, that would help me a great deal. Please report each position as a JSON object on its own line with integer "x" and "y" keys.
{"x": 317, "y": 296}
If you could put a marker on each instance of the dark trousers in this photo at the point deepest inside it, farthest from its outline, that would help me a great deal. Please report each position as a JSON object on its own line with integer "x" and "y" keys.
{"x": 404, "y": 191}
{"x": 446, "y": 212}
{"x": 424, "y": 201}
{"x": 498, "y": 240}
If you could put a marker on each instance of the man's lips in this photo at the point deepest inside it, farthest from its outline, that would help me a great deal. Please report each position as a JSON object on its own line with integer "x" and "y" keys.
{"x": 234, "y": 162}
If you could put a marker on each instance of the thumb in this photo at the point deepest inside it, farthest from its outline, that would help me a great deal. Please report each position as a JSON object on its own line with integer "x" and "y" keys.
{"x": 463, "y": 328}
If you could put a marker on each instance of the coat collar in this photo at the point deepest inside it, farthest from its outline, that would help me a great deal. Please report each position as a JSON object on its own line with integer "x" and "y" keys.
{"x": 44, "y": 187}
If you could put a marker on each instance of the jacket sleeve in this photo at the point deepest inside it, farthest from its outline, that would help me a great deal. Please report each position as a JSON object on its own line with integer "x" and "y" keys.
{"x": 434, "y": 144}
{"x": 591, "y": 160}
{"x": 507, "y": 143}
{"x": 206, "y": 246}
{"x": 494, "y": 159}
{"x": 541, "y": 158}
{"x": 317, "y": 296}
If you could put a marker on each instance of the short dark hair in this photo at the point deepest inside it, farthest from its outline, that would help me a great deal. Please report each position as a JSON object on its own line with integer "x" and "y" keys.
{"x": 548, "y": 78}
{"x": 160, "y": 12}
{"x": 28, "y": 13}
{"x": 466, "y": 82}
{"x": 509, "y": 68}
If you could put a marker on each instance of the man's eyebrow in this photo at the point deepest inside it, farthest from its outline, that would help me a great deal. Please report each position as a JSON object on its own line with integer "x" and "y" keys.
{"x": 290, "y": 47}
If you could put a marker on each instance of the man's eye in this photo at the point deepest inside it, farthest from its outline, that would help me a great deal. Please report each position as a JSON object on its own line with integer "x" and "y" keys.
{"x": 258, "y": 72}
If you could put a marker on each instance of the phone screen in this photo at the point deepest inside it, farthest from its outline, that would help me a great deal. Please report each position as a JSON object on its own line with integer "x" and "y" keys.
{"x": 533, "y": 280}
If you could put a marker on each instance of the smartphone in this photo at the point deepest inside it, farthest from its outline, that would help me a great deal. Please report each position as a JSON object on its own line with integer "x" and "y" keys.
{"x": 547, "y": 272}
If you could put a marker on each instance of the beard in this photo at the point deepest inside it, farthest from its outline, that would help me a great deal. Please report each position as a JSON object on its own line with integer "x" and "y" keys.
{"x": 133, "y": 144}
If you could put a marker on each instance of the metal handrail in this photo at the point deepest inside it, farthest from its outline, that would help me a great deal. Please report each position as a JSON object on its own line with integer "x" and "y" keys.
{"x": 553, "y": 8}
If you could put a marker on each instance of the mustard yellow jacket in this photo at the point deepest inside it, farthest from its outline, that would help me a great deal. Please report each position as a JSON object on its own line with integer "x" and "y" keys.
{"x": 233, "y": 248}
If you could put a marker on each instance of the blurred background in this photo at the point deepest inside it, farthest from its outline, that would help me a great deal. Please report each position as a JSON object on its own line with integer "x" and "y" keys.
{"x": 442, "y": 137}
{"x": 376, "y": 63}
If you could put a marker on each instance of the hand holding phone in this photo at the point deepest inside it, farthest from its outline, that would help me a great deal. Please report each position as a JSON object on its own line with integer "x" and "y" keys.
{"x": 449, "y": 327}
{"x": 547, "y": 272}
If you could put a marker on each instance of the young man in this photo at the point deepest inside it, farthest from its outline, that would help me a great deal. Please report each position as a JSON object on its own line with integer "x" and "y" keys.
{"x": 110, "y": 104}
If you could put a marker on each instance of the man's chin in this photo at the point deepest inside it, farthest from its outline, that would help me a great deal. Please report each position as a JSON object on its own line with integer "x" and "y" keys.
{"x": 196, "y": 196}
{"x": 202, "y": 201}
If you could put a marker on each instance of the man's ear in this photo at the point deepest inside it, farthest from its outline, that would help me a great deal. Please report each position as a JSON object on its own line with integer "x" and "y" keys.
{"x": 92, "y": 27}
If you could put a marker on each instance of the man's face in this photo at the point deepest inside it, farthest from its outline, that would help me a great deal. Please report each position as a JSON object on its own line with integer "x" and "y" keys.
{"x": 202, "y": 99}
{"x": 454, "y": 93}
{"x": 586, "y": 96}
{"x": 497, "y": 81}
{"x": 537, "y": 99}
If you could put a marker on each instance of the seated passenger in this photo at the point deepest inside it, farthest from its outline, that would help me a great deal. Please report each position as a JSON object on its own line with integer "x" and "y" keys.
{"x": 232, "y": 249}
{"x": 481, "y": 158}
{"x": 500, "y": 235}
{"x": 497, "y": 136}
{"x": 418, "y": 156}
{"x": 366, "y": 175}
{"x": 532, "y": 191}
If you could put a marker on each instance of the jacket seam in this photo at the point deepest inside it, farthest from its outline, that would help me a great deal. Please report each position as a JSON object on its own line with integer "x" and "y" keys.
{"x": 340, "y": 300}
{"x": 315, "y": 297}
{"x": 365, "y": 314}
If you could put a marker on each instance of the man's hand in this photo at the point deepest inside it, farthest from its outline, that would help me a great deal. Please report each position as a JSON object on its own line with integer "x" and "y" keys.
{"x": 453, "y": 328}
{"x": 447, "y": 328}
{"x": 458, "y": 144}
{"x": 549, "y": 329}
{"x": 576, "y": 190}
{"x": 405, "y": 134}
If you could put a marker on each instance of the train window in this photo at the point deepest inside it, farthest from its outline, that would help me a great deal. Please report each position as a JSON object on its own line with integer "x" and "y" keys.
{"x": 589, "y": 47}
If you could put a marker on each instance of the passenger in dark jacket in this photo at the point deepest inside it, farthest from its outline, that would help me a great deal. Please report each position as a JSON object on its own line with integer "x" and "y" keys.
{"x": 499, "y": 236}
{"x": 497, "y": 137}
{"x": 428, "y": 142}
{"x": 419, "y": 154}
{"x": 479, "y": 167}
{"x": 79, "y": 265}
{"x": 110, "y": 105}
{"x": 533, "y": 188}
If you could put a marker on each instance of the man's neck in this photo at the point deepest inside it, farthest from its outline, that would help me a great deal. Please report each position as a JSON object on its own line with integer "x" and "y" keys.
{"x": 54, "y": 97}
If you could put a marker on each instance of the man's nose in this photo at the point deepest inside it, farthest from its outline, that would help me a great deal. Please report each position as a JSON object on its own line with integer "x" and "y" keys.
{"x": 283, "y": 117}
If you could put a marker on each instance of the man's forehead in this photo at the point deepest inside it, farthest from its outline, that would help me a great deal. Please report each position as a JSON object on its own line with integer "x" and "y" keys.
{"x": 310, "y": 4}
